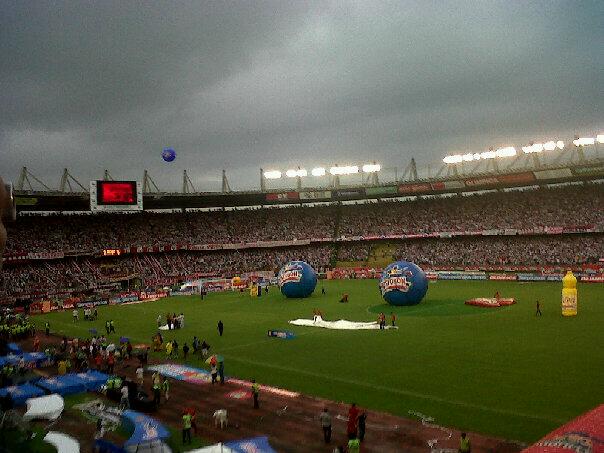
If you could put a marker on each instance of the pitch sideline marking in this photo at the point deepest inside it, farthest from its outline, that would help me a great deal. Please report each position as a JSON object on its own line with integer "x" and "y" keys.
{"x": 401, "y": 392}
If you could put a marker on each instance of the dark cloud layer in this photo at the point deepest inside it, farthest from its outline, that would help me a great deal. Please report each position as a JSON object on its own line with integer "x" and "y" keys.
{"x": 244, "y": 85}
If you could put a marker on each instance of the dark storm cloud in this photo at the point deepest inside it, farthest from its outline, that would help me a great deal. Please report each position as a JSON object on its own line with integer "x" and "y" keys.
{"x": 248, "y": 84}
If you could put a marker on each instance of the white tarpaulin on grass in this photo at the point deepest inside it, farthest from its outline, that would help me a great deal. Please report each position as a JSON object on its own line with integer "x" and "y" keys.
{"x": 342, "y": 324}
{"x": 47, "y": 407}
{"x": 218, "y": 448}
{"x": 62, "y": 442}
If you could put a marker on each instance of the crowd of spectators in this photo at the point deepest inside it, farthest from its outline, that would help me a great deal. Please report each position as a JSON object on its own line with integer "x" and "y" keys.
{"x": 553, "y": 207}
{"x": 504, "y": 250}
{"x": 80, "y": 274}
{"x": 90, "y": 233}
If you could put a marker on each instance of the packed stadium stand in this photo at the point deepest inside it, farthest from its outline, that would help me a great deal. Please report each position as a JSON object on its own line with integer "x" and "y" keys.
{"x": 543, "y": 227}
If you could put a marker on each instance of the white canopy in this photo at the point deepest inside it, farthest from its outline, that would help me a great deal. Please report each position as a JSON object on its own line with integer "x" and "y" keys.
{"x": 342, "y": 324}
{"x": 47, "y": 407}
{"x": 62, "y": 442}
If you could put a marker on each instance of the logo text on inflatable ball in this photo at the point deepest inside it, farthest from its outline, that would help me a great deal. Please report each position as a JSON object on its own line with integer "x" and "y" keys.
{"x": 397, "y": 280}
{"x": 290, "y": 273}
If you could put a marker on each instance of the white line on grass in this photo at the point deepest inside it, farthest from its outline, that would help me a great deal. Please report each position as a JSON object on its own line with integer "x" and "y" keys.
{"x": 401, "y": 392}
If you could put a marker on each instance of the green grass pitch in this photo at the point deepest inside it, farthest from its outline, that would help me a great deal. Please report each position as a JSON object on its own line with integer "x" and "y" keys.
{"x": 499, "y": 371}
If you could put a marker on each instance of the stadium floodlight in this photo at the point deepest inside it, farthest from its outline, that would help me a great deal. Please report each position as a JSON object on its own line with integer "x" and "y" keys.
{"x": 272, "y": 174}
{"x": 300, "y": 172}
{"x": 318, "y": 171}
{"x": 488, "y": 155}
{"x": 584, "y": 141}
{"x": 549, "y": 146}
{"x": 600, "y": 138}
{"x": 560, "y": 144}
{"x": 536, "y": 147}
{"x": 371, "y": 168}
{"x": 453, "y": 159}
{"x": 346, "y": 170}
{"x": 508, "y": 151}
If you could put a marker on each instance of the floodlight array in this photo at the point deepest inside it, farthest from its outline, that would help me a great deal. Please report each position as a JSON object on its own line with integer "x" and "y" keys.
{"x": 321, "y": 171}
{"x": 510, "y": 151}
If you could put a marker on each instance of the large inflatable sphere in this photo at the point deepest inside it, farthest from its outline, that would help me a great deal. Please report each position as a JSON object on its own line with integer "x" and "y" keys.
{"x": 403, "y": 283}
{"x": 297, "y": 279}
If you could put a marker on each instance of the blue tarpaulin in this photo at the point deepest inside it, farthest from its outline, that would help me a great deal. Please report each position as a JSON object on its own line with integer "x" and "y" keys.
{"x": 255, "y": 444}
{"x": 67, "y": 384}
{"x": 71, "y": 383}
{"x": 20, "y": 393}
{"x": 13, "y": 348}
{"x": 146, "y": 429}
{"x": 36, "y": 359}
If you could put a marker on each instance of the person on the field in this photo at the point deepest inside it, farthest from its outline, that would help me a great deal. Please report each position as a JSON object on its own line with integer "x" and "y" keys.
{"x": 158, "y": 320}
{"x": 124, "y": 400}
{"x": 323, "y": 290}
{"x": 195, "y": 345}
{"x": 95, "y": 314}
{"x": 112, "y": 326}
{"x": 166, "y": 388}
{"x": 538, "y": 313}
{"x": 169, "y": 349}
{"x": 36, "y": 344}
{"x": 344, "y": 298}
{"x": 156, "y": 389}
{"x": 108, "y": 327}
{"x": 214, "y": 372}
{"x": 256, "y": 393}
{"x": 464, "y": 444}
{"x": 47, "y": 328}
{"x": 186, "y": 428}
{"x": 221, "y": 371}
{"x": 140, "y": 376}
{"x": 354, "y": 445}
{"x": 185, "y": 350}
{"x": 175, "y": 348}
{"x": 361, "y": 426}
{"x": 325, "y": 418}
{"x": 205, "y": 348}
{"x": 220, "y": 328}
{"x": 351, "y": 426}
{"x": 75, "y": 314}
{"x": 393, "y": 319}
{"x": 497, "y": 296}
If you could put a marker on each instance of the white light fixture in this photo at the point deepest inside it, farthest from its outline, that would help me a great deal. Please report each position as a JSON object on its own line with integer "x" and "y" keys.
{"x": 508, "y": 151}
{"x": 453, "y": 159}
{"x": 318, "y": 171}
{"x": 549, "y": 146}
{"x": 560, "y": 144}
{"x": 600, "y": 138}
{"x": 584, "y": 141}
{"x": 347, "y": 170}
{"x": 371, "y": 168}
{"x": 291, "y": 173}
{"x": 272, "y": 174}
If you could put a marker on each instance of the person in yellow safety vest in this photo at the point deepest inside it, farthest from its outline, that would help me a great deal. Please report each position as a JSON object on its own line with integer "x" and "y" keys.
{"x": 464, "y": 444}
{"x": 166, "y": 388}
{"x": 186, "y": 427}
{"x": 255, "y": 393}
{"x": 169, "y": 349}
{"x": 354, "y": 445}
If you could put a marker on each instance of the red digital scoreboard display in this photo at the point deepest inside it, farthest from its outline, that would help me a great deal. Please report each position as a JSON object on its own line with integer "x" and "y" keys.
{"x": 116, "y": 193}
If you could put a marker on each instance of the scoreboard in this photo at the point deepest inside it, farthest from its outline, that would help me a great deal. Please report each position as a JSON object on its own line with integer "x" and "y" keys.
{"x": 116, "y": 196}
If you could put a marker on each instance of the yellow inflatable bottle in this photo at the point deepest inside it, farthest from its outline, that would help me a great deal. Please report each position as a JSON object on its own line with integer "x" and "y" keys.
{"x": 569, "y": 294}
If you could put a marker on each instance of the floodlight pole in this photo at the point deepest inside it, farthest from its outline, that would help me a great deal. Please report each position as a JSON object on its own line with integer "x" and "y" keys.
{"x": 299, "y": 181}
{"x": 262, "y": 182}
{"x": 107, "y": 176}
{"x": 187, "y": 185}
{"x": 225, "y": 183}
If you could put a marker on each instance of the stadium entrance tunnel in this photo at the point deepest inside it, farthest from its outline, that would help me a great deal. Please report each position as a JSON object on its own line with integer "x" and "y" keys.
{"x": 431, "y": 308}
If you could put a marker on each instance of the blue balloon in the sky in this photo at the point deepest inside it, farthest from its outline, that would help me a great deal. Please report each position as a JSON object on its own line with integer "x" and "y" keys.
{"x": 168, "y": 154}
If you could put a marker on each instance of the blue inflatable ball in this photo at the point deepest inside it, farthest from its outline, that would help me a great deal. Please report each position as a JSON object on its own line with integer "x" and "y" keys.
{"x": 168, "y": 154}
{"x": 403, "y": 283}
{"x": 297, "y": 279}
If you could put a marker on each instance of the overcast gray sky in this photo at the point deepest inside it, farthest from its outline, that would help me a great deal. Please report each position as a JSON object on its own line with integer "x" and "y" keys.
{"x": 244, "y": 85}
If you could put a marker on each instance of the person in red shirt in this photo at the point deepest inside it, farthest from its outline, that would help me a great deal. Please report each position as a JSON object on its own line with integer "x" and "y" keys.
{"x": 36, "y": 344}
{"x": 353, "y": 417}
